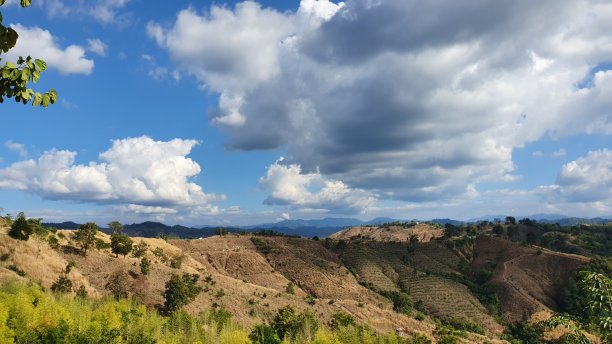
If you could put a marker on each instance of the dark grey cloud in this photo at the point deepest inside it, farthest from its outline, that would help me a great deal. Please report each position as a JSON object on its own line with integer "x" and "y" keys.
{"x": 410, "y": 100}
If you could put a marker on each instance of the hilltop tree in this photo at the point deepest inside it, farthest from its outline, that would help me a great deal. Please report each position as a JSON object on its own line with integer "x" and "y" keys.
{"x": 14, "y": 79}
{"x": 116, "y": 227}
{"x": 121, "y": 244}
{"x": 86, "y": 235}
{"x": 510, "y": 220}
{"x": 20, "y": 229}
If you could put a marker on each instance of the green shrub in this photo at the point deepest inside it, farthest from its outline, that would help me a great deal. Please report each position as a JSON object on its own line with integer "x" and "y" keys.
{"x": 264, "y": 334}
{"x": 261, "y": 245}
{"x": 20, "y": 229}
{"x": 140, "y": 249}
{"x": 145, "y": 266}
{"x": 62, "y": 285}
{"x": 16, "y": 270}
{"x": 341, "y": 319}
{"x": 402, "y": 303}
{"x": 53, "y": 242}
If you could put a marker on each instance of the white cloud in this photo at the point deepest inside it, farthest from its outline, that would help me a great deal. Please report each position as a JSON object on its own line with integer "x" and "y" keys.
{"x": 147, "y": 210}
{"x": 97, "y": 46}
{"x": 16, "y": 147}
{"x": 40, "y": 43}
{"x": 105, "y": 11}
{"x": 102, "y": 11}
{"x": 559, "y": 153}
{"x": 139, "y": 172}
{"x": 422, "y": 115}
{"x": 585, "y": 180}
{"x": 288, "y": 186}
{"x": 537, "y": 154}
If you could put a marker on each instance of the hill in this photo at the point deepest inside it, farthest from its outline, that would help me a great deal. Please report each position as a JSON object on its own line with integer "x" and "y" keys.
{"x": 464, "y": 287}
{"x": 421, "y": 231}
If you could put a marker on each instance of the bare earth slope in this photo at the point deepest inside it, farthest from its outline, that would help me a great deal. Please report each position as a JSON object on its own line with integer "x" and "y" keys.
{"x": 422, "y": 231}
{"x": 526, "y": 278}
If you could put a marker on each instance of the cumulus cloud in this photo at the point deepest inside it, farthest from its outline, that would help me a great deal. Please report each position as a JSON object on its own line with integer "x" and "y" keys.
{"x": 586, "y": 179}
{"x": 411, "y": 100}
{"x": 143, "y": 174}
{"x": 16, "y": 147}
{"x": 288, "y": 186}
{"x": 40, "y": 43}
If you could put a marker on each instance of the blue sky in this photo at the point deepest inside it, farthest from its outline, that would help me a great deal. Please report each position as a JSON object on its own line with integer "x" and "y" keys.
{"x": 200, "y": 112}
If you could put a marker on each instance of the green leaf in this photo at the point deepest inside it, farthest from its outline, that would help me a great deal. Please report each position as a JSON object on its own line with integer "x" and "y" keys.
{"x": 45, "y": 100}
{"x": 40, "y": 64}
{"x": 26, "y": 3}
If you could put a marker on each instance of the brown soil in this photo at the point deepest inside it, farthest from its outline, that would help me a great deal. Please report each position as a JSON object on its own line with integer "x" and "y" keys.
{"x": 422, "y": 231}
{"x": 525, "y": 278}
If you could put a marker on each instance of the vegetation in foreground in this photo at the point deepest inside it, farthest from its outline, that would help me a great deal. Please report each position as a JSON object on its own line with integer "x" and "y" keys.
{"x": 29, "y": 314}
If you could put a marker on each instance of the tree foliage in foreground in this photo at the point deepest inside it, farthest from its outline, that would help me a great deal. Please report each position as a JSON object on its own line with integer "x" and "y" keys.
{"x": 14, "y": 78}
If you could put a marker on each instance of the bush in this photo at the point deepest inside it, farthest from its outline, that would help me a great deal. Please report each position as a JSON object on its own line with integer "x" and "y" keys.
{"x": 462, "y": 324}
{"x": 118, "y": 284}
{"x": 264, "y": 334}
{"x": 341, "y": 319}
{"x": 287, "y": 323}
{"x": 16, "y": 270}
{"x": 140, "y": 249}
{"x": 81, "y": 293}
{"x": 101, "y": 244}
{"x": 145, "y": 266}
{"x": 177, "y": 262}
{"x": 402, "y": 303}
{"x": 262, "y": 246}
{"x": 53, "y": 242}
{"x": 159, "y": 253}
{"x": 290, "y": 289}
{"x": 20, "y": 229}
{"x": 62, "y": 285}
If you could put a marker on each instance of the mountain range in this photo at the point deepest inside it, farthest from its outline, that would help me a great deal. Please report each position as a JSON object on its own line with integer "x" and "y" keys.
{"x": 315, "y": 227}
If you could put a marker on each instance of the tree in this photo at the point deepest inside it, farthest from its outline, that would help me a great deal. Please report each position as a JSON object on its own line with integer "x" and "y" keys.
{"x": 118, "y": 284}
{"x": 116, "y": 227}
{"x": 121, "y": 244}
{"x": 20, "y": 229}
{"x": 510, "y": 220}
{"x": 180, "y": 290}
{"x": 14, "y": 79}
{"x": 145, "y": 266}
{"x": 598, "y": 288}
{"x": 86, "y": 235}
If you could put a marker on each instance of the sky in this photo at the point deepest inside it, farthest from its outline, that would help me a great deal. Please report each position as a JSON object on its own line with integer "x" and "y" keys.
{"x": 234, "y": 113}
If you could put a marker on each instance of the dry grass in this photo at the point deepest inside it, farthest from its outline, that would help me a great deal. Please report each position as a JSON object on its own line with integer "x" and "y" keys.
{"x": 525, "y": 277}
{"x": 423, "y": 232}
{"x": 41, "y": 263}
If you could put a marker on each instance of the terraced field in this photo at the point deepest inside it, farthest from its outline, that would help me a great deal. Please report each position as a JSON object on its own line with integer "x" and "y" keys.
{"x": 419, "y": 270}
{"x": 443, "y": 297}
